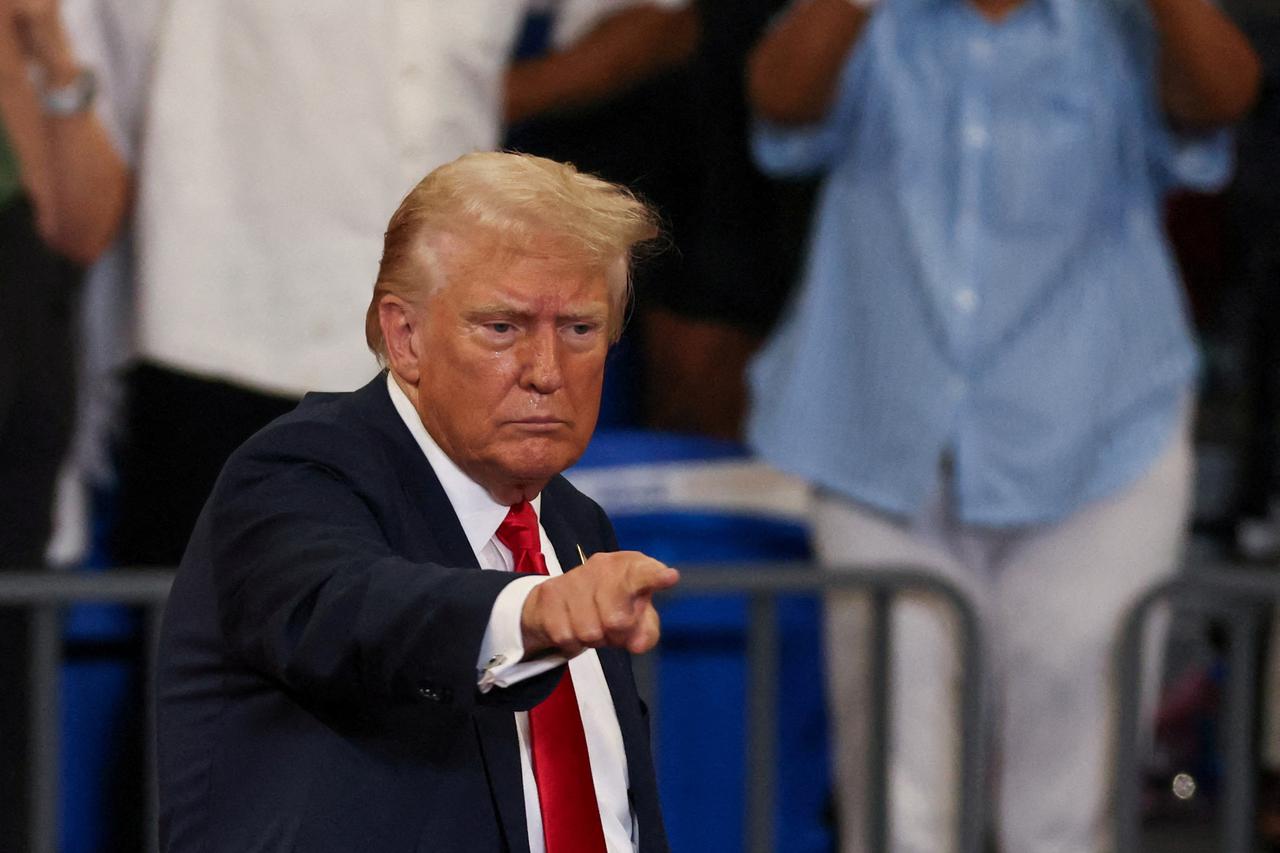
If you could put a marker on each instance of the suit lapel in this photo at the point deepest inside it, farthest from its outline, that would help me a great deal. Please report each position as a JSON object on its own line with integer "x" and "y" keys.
{"x": 561, "y": 533}
{"x": 438, "y": 524}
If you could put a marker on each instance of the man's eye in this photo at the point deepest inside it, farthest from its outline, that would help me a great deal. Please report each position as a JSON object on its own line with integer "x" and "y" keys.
{"x": 582, "y": 328}
{"x": 501, "y": 328}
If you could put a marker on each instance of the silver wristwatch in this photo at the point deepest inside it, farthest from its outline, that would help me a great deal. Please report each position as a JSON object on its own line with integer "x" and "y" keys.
{"x": 72, "y": 99}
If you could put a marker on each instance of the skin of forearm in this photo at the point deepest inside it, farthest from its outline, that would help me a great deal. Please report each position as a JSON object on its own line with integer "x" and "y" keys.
{"x": 90, "y": 187}
{"x": 793, "y": 72}
{"x": 84, "y": 183}
{"x": 1210, "y": 73}
{"x": 622, "y": 51}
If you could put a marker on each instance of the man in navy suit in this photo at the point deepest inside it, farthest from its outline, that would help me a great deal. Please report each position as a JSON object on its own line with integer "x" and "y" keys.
{"x": 337, "y": 672}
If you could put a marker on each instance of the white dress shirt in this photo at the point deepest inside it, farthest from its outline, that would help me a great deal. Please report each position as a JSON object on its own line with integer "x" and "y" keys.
{"x": 280, "y": 138}
{"x": 499, "y": 662}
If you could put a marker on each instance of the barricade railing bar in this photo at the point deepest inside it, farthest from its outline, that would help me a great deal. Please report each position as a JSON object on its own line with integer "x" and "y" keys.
{"x": 47, "y": 593}
{"x": 1234, "y": 596}
{"x": 763, "y": 584}
{"x": 1236, "y": 599}
{"x": 44, "y": 594}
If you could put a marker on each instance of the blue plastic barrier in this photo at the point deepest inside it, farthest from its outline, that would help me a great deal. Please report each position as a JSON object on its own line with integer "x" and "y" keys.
{"x": 101, "y": 788}
{"x": 101, "y": 780}
{"x": 702, "y": 675}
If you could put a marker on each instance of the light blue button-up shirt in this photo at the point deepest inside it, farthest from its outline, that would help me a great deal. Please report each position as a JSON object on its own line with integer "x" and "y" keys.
{"x": 987, "y": 273}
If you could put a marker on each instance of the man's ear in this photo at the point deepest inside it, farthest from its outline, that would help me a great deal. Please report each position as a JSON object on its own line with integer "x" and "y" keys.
{"x": 399, "y": 320}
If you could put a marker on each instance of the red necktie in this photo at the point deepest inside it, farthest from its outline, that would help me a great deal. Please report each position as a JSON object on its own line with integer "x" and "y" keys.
{"x": 561, "y": 766}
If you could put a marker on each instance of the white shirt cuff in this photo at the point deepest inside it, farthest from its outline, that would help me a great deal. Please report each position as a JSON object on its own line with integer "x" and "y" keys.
{"x": 501, "y": 662}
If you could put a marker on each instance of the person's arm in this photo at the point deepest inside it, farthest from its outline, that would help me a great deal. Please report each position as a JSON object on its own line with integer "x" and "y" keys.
{"x": 623, "y": 50}
{"x": 1209, "y": 73}
{"x": 311, "y": 594}
{"x": 87, "y": 180}
{"x": 792, "y": 74}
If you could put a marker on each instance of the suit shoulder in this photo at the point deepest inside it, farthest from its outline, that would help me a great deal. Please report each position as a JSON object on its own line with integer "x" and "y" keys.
{"x": 329, "y": 429}
{"x": 315, "y": 425}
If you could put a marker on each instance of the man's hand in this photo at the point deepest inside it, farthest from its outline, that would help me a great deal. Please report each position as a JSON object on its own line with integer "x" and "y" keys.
{"x": 607, "y": 601}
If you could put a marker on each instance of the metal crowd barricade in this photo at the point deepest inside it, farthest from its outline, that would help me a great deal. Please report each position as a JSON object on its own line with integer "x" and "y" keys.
{"x": 1235, "y": 598}
{"x": 763, "y": 583}
{"x": 47, "y": 593}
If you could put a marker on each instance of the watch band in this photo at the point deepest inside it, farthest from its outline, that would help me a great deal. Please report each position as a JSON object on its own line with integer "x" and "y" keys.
{"x": 72, "y": 99}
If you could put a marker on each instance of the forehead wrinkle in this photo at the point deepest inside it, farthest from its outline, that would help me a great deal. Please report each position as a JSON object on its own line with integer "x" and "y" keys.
{"x": 585, "y": 312}
{"x": 588, "y": 311}
{"x": 456, "y": 257}
{"x": 503, "y": 309}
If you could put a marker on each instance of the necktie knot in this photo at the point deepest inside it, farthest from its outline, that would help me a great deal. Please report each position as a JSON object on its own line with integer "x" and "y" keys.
{"x": 519, "y": 532}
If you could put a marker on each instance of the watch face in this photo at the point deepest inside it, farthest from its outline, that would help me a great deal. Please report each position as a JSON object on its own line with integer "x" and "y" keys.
{"x": 75, "y": 97}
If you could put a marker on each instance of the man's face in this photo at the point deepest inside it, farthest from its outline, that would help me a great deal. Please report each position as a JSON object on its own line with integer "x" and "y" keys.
{"x": 511, "y": 359}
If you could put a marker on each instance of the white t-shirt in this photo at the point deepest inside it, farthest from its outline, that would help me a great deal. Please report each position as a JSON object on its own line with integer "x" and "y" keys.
{"x": 281, "y": 137}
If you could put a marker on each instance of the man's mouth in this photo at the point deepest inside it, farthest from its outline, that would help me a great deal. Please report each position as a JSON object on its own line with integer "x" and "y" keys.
{"x": 546, "y": 423}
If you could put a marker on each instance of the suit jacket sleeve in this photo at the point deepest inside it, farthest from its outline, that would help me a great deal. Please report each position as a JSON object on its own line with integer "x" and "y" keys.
{"x": 307, "y": 531}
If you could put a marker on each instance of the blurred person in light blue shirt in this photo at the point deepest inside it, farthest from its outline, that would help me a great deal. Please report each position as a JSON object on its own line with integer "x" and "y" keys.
{"x": 987, "y": 371}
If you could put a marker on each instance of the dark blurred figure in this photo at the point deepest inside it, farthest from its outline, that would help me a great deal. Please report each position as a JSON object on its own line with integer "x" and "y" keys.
{"x": 1228, "y": 249}
{"x": 988, "y": 372}
{"x": 63, "y": 196}
{"x": 280, "y": 137}
{"x": 1254, "y": 245}
{"x": 1248, "y": 323}
{"x": 681, "y": 139}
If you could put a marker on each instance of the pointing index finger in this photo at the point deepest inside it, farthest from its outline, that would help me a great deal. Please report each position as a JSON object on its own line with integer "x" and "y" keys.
{"x": 650, "y": 577}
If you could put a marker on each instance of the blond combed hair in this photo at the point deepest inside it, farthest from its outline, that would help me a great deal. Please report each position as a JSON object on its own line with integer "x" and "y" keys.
{"x": 509, "y": 202}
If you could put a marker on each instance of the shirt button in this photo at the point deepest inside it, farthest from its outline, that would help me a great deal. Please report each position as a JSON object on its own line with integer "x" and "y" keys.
{"x": 497, "y": 660}
{"x": 980, "y": 50}
{"x": 976, "y": 136}
{"x": 956, "y": 386}
{"x": 965, "y": 300}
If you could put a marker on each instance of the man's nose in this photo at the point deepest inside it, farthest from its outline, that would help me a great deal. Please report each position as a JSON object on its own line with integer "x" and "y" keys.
{"x": 541, "y": 362}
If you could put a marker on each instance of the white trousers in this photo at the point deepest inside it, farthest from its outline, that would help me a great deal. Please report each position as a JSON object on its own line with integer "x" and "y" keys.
{"x": 1050, "y": 600}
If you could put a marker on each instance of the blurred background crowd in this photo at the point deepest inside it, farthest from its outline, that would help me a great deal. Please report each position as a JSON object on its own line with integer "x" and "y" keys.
{"x": 923, "y": 229}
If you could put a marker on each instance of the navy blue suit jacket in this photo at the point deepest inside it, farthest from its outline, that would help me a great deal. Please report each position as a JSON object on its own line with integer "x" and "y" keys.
{"x": 316, "y": 682}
